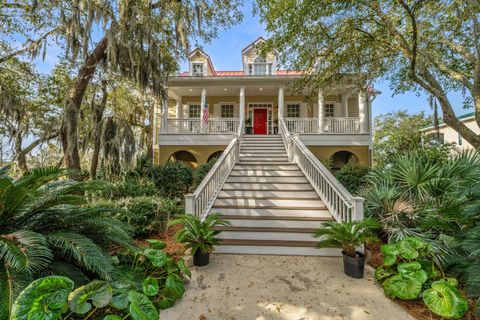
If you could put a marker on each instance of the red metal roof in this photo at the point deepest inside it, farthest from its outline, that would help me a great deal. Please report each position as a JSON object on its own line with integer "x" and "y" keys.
{"x": 241, "y": 73}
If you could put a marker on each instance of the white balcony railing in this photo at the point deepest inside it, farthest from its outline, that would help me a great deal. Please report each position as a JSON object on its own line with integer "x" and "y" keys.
{"x": 340, "y": 202}
{"x": 342, "y": 125}
{"x": 339, "y": 125}
{"x": 194, "y": 126}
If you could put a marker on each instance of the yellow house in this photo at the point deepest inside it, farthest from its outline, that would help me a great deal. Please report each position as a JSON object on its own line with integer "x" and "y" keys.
{"x": 336, "y": 127}
{"x": 269, "y": 180}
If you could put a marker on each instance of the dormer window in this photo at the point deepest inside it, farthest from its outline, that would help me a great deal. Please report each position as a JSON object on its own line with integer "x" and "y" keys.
{"x": 197, "y": 69}
{"x": 260, "y": 67}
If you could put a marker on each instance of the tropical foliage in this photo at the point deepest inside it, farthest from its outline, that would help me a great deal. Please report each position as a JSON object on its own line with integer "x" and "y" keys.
{"x": 151, "y": 280}
{"x": 199, "y": 235}
{"x": 353, "y": 177}
{"x": 47, "y": 227}
{"x": 173, "y": 179}
{"x": 409, "y": 272}
{"x": 347, "y": 235}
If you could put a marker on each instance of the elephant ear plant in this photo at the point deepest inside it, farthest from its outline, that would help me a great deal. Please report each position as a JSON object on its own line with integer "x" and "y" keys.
{"x": 349, "y": 236}
{"x": 409, "y": 273}
{"x": 200, "y": 235}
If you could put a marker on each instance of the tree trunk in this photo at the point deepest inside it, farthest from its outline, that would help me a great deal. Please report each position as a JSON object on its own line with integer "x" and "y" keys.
{"x": 69, "y": 132}
{"x": 97, "y": 115}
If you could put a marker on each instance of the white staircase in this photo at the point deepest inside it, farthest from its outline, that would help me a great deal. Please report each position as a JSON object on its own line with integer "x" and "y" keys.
{"x": 272, "y": 206}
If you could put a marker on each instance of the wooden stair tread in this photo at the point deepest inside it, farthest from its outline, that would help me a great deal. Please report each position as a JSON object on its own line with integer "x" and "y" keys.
{"x": 236, "y": 206}
{"x": 266, "y": 229}
{"x": 250, "y": 217}
{"x": 267, "y": 197}
{"x": 279, "y": 243}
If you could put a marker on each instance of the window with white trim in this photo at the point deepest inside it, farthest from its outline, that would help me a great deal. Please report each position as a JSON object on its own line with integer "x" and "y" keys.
{"x": 197, "y": 69}
{"x": 293, "y": 110}
{"x": 194, "y": 111}
{"x": 329, "y": 109}
{"x": 227, "y": 111}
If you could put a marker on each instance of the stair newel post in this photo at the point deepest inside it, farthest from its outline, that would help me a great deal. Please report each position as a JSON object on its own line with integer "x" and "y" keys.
{"x": 357, "y": 212}
{"x": 189, "y": 204}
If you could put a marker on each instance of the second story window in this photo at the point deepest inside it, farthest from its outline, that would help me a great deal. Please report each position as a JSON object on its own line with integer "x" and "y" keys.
{"x": 329, "y": 109}
{"x": 194, "y": 111}
{"x": 197, "y": 69}
{"x": 293, "y": 110}
{"x": 227, "y": 111}
{"x": 260, "y": 67}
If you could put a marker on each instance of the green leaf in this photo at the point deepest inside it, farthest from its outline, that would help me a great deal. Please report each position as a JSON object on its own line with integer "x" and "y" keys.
{"x": 44, "y": 298}
{"x": 141, "y": 308}
{"x": 166, "y": 301}
{"x": 444, "y": 299}
{"x": 403, "y": 288}
{"x": 98, "y": 292}
{"x": 175, "y": 284}
{"x": 381, "y": 273}
{"x": 11, "y": 284}
{"x": 409, "y": 247}
{"x": 390, "y": 252}
{"x": 150, "y": 286}
{"x": 112, "y": 317}
{"x": 157, "y": 257}
{"x": 183, "y": 268}
{"x": 156, "y": 244}
{"x": 120, "y": 295}
{"x": 413, "y": 270}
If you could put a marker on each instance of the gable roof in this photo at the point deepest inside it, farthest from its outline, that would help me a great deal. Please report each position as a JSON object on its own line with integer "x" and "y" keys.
{"x": 200, "y": 51}
{"x": 463, "y": 117}
{"x": 253, "y": 44}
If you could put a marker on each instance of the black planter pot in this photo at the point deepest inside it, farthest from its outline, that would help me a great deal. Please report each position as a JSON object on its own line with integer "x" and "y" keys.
{"x": 354, "y": 267}
{"x": 201, "y": 259}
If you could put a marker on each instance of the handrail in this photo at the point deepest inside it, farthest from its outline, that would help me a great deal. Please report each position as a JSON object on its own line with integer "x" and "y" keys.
{"x": 341, "y": 203}
{"x": 201, "y": 200}
{"x": 336, "y": 125}
{"x": 195, "y": 126}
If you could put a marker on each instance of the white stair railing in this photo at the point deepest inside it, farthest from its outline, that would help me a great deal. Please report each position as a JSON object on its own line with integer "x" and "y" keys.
{"x": 201, "y": 200}
{"x": 342, "y": 125}
{"x": 341, "y": 203}
{"x": 194, "y": 126}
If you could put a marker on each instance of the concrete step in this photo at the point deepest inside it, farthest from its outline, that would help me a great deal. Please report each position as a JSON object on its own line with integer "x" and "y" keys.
{"x": 266, "y": 173}
{"x": 267, "y": 186}
{"x": 271, "y": 145}
{"x": 281, "y": 248}
{"x": 269, "y": 203}
{"x": 284, "y": 229}
{"x": 252, "y": 160}
{"x": 282, "y": 167}
{"x": 263, "y": 151}
{"x": 274, "y": 236}
{"x": 261, "y": 162}
{"x": 275, "y": 213}
{"x": 263, "y": 155}
{"x": 267, "y": 179}
{"x": 278, "y": 223}
{"x": 251, "y": 194}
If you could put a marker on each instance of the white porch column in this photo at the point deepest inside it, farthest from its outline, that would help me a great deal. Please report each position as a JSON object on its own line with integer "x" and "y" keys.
{"x": 203, "y": 104}
{"x": 281, "y": 102}
{"x": 242, "y": 107}
{"x": 345, "y": 98}
{"x": 321, "y": 110}
{"x": 178, "y": 108}
{"x": 164, "y": 114}
{"x": 362, "y": 106}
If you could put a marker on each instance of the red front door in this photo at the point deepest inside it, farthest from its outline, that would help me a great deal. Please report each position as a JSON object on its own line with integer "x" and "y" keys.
{"x": 259, "y": 121}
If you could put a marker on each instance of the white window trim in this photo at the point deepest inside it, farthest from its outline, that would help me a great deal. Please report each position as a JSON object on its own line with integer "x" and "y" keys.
{"x": 205, "y": 67}
{"x": 287, "y": 103}
{"x": 194, "y": 104}
{"x": 234, "y": 104}
{"x": 324, "y": 108}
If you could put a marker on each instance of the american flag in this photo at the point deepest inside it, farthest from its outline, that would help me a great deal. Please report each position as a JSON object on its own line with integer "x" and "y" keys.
{"x": 205, "y": 110}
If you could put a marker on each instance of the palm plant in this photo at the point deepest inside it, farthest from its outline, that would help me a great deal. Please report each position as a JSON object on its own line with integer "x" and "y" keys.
{"x": 199, "y": 235}
{"x": 347, "y": 235}
{"x": 47, "y": 227}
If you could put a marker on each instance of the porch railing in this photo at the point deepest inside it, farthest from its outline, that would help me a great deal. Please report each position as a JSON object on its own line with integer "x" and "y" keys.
{"x": 342, "y": 125}
{"x": 192, "y": 126}
{"x": 341, "y": 203}
{"x": 338, "y": 125}
{"x": 201, "y": 200}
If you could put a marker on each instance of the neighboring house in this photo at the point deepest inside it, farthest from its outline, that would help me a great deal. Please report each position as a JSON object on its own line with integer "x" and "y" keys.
{"x": 449, "y": 135}
{"x": 268, "y": 181}
{"x": 337, "y": 126}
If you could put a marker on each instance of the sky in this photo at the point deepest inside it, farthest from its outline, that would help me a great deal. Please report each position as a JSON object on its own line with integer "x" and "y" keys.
{"x": 225, "y": 52}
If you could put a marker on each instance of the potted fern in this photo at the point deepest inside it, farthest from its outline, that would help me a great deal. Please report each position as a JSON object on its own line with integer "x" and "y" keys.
{"x": 349, "y": 236}
{"x": 199, "y": 235}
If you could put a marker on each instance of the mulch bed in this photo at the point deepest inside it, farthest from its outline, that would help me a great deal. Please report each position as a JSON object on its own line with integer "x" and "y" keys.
{"x": 177, "y": 250}
{"x": 416, "y": 308}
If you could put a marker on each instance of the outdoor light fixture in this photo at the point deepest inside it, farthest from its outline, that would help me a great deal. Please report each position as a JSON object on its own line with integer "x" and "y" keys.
{"x": 225, "y": 89}
{"x": 261, "y": 89}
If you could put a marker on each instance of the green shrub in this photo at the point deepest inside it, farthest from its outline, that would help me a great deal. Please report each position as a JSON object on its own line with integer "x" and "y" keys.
{"x": 173, "y": 179}
{"x": 146, "y": 215}
{"x": 201, "y": 171}
{"x": 353, "y": 177}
